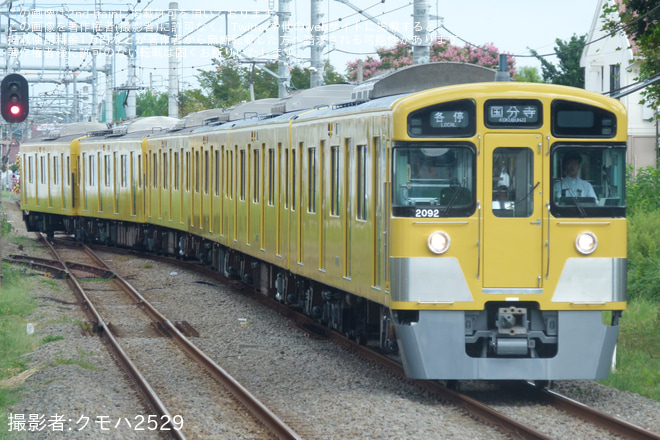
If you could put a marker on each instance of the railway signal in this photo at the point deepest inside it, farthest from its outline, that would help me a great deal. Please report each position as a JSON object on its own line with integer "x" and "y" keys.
{"x": 14, "y": 96}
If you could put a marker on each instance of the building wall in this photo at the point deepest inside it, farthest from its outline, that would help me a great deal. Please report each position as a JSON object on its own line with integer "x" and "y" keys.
{"x": 597, "y": 61}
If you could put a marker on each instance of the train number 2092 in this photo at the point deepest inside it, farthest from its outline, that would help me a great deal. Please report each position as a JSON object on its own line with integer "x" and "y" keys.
{"x": 427, "y": 213}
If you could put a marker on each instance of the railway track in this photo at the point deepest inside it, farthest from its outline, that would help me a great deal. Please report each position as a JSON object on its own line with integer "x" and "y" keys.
{"x": 482, "y": 411}
{"x": 473, "y": 406}
{"x": 103, "y": 308}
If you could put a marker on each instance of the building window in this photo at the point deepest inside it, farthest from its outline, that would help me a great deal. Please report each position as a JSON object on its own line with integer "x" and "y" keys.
{"x": 615, "y": 77}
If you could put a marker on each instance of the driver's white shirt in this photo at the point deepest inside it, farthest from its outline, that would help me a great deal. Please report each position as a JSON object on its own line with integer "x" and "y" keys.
{"x": 574, "y": 187}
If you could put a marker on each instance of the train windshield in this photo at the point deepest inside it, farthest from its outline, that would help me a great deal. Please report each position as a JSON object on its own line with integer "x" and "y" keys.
{"x": 433, "y": 180}
{"x": 588, "y": 180}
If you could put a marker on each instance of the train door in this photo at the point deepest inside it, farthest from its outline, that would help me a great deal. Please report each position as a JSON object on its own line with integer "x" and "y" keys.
{"x": 513, "y": 239}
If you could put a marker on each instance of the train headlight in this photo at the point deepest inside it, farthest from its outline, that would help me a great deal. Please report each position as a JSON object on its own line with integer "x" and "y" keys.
{"x": 438, "y": 242}
{"x": 586, "y": 243}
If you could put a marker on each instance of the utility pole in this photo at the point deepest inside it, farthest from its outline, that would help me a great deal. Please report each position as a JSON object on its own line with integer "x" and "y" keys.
{"x": 173, "y": 89}
{"x": 283, "y": 80}
{"x": 316, "y": 45}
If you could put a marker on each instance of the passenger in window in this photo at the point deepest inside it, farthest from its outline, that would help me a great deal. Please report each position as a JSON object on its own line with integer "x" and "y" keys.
{"x": 571, "y": 185}
{"x": 501, "y": 198}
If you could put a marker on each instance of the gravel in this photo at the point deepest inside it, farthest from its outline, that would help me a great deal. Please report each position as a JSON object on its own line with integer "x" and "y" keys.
{"x": 320, "y": 390}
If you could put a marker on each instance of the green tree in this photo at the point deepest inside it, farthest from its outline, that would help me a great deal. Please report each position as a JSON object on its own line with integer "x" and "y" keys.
{"x": 226, "y": 85}
{"x": 528, "y": 74}
{"x": 639, "y": 20}
{"x": 150, "y": 103}
{"x": 569, "y": 72}
{"x": 191, "y": 101}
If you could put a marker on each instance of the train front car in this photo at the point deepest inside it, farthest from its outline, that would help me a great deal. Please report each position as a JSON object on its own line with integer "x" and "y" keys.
{"x": 508, "y": 232}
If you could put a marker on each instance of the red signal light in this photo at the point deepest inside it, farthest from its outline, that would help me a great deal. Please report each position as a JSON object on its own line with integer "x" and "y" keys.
{"x": 14, "y": 98}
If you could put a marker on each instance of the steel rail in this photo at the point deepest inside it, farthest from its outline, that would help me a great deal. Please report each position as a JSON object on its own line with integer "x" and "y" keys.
{"x": 471, "y": 406}
{"x": 621, "y": 427}
{"x": 56, "y": 265}
{"x": 247, "y": 399}
{"x": 103, "y": 330}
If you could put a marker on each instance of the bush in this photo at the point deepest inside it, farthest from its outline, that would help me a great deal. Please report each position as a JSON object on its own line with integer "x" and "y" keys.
{"x": 644, "y": 255}
{"x": 642, "y": 189}
{"x": 643, "y": 209}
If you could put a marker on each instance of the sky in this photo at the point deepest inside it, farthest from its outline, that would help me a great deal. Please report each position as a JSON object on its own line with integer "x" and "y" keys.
{"x": 512, "y": 26}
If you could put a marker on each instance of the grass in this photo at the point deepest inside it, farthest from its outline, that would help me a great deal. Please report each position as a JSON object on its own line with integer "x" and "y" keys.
{"x": 638, "y": 351}
{"x": 15, "y": 305}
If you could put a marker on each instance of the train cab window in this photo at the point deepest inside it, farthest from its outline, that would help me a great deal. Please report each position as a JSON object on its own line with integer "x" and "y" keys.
{"x": 513, "y": 182}
{"x": 588, "y": 180}
{"x": 434, "y": 180}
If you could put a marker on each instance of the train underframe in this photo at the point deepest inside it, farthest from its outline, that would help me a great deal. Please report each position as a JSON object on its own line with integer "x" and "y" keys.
{"x": 500, "y": 342}
{"x": 351, "y": 315}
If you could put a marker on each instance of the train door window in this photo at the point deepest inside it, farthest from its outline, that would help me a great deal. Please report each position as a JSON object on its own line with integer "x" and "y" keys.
{"x": 177, "y": 174}
{"x": 334, "y": 180}
{"x": 361, "y": 182}
{"x": 56, "y": 170}
{"x": 286, "y": 179}
{"x": 68, "y": 170}
{"x": 513, "y": 182}
{"x": 231, "y": 175}
{"x": 139, "y": 167}
{"x": 42, "y": 170}
{"x": 293, "y": 179}
{"x": 311, "y": 180}
{"x": 241, "y": 169}
{"x": 166, "y": 169}
{"x": 216, "y": 171}
{"x": 271, "y": 177}
{"x": 255, "y": 175}
{"x": 186, "y": 168}
{"x": 124, "y": 171}
{"x": 197, "y": 171}
{"x": 207, "y": 173}
{"x": 31, "y": 169}
{"x": 154, "y": 170}
{"x": 175, "y": 170}
{"x": 106, "y": 169}
{"x": 92, "y": 170}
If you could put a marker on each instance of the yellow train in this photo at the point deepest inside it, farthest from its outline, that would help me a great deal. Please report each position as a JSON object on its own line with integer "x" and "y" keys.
{"x": 478, "y": 229}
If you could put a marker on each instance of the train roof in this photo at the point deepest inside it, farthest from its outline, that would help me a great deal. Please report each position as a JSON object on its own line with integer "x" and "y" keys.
{"x": 369, "y": 94}
{"x": 420, "y": 77}
{"x": 68, "y": 132}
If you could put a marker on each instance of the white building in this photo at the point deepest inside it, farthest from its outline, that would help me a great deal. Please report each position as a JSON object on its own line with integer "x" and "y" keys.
{"x": 610, "y": 64}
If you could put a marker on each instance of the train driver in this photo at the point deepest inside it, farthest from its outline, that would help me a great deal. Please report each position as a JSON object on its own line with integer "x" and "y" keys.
{"x": 423, "y": 167}
{"x": 571, "y": 185}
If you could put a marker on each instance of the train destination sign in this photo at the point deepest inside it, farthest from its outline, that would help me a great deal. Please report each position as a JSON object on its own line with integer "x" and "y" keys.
{"x": 518, "y": 113}
{"x": 449, "y": 119}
